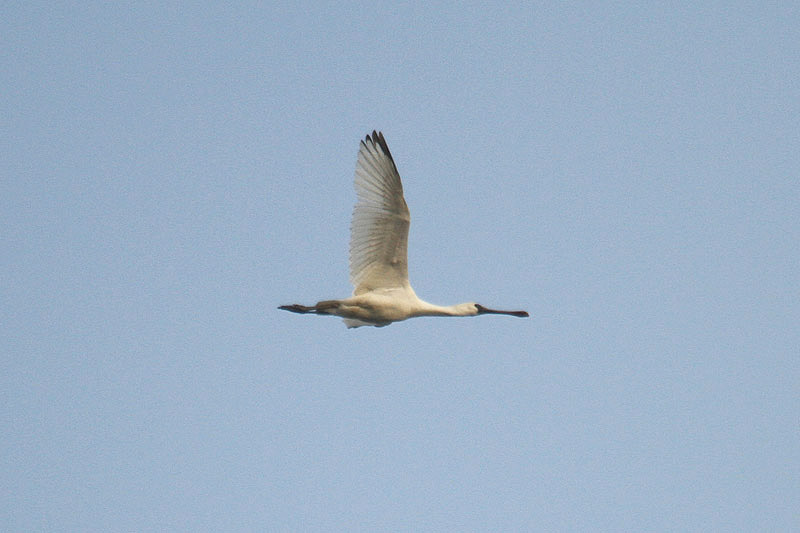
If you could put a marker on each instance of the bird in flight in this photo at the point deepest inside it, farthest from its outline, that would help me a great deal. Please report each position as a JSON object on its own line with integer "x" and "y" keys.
{"x": 378, "y": 252}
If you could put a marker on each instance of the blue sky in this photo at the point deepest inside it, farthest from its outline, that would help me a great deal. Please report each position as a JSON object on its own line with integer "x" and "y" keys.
{"x": 173, "y": 172}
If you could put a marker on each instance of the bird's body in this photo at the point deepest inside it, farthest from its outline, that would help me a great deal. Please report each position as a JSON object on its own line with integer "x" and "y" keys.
{"x": 378, "y": 251}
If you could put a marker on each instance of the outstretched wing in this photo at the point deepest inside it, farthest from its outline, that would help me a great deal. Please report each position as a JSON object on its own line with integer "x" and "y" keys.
{"x": 379, "y": 228}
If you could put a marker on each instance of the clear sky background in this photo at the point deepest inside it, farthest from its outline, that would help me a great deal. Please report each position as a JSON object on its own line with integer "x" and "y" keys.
{"x": 172, "y": 172}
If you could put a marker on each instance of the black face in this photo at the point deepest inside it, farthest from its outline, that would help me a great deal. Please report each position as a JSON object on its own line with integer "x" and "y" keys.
{"x": 486, "y": 311}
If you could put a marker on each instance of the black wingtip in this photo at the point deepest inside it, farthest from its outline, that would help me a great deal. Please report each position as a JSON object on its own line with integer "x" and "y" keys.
{"x": 377, "y": 138}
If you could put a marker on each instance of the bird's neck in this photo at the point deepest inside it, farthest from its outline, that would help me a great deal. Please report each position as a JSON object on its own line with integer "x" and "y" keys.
{"x": 429, "y": 309}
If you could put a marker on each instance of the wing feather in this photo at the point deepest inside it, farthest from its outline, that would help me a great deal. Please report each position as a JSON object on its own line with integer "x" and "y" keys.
{"x": 379, "y": 227}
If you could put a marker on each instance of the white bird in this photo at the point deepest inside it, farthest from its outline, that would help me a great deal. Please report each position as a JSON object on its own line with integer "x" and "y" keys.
{"x": 378, "y": 251}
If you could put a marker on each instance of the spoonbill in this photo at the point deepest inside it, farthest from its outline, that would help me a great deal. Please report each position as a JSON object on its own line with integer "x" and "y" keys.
{"x": 378, "y": 252}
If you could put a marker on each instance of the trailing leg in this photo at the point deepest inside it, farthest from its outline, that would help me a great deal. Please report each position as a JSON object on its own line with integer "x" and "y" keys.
{"x": 297, "y": 308}
{"x": 322, "y": 308}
